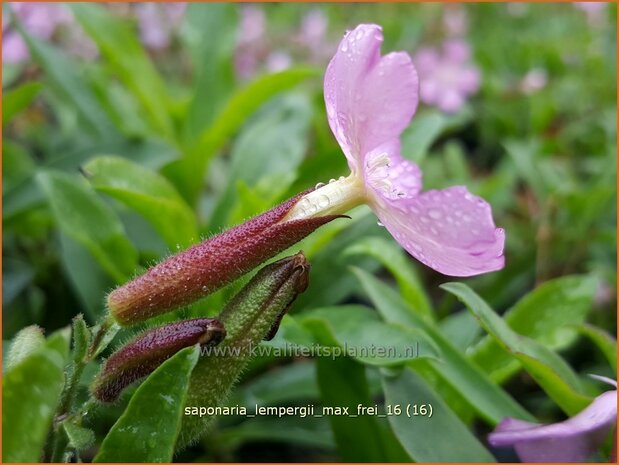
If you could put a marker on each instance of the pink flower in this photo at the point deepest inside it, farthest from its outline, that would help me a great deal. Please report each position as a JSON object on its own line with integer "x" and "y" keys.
{"x": 573, "y": 440}
{"x": 39, "y": 19}
{"x": 370, "y": 100}
{"x": 158, "y": 21}
{"x": 595, "y": 11}
{"x": 447, "y": 77}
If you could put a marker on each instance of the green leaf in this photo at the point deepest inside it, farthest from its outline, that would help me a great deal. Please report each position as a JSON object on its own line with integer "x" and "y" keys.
{"x": 17, "y": 165}
{"x": 550, "y": 371}
{"x": 400, "y": 266}
{"x": 545, "y": 314}
{"x": 343, "y": 383}
{"x": 79, "y": 438}
{"x": 31, "y": 391}
{"x": 88, "y": 220}
{"x": 440, "y": 438}
{"x": 270, "y": 148}
{"x": 149, "y": 194}
{"x": 210, "y": 33}
{"x": 242, "y": 104}
{"x": 425, "y": 130}
{"x": 15, "y": 100}
{"x": 279, "y": 385}
{"x": 147, "y": 430}
{"x": 122, "y": 49}
{"x": 64, "y": 78}
{"x": 488, "y": 399}
{"x": 27, "y": 341}
{"x": 358, "y": 332}
{"x": 81, "y": 338}
{"x": 605, "y": 342}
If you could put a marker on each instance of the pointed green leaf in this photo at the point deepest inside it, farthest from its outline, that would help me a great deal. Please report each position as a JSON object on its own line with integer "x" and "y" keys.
{"x": 392, "y": 257}
{"x": 64, "y": 78}
{"x": 360, "y": 333}
{"x": 362, "y": 438}
{"x": 605, "y": 342}
{"x": 125, "y": 54}
{"x": 147, "y": 430}
{"x": 550, "y": 371}
{"x": 82, "y": 215}
{"x": 15, "y": 100}
{"x": 149, "y": 194}
{"x": 488, "y": 399}
{"x": 546, "y": 314}
{"x": 439, "y": 438}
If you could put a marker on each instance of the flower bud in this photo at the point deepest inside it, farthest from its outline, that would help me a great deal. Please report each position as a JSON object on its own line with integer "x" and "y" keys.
{"x": 251, "y": 316}
{"x": 208, "y": 266}
{"x": 145, "y": 353}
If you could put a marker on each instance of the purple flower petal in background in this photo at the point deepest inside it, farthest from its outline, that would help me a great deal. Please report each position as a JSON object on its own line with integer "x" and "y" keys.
{"x": 370, "y": 99}
{"x": 595, "y": 11}
{"x": 278, "y": 61}
{"x": 455, "y": 20}
{"x": 158, "y": 21}
{"x": 249, "y": 42}
{"x": 535, "y": 80}
{"x": 573, "y": 440}
{"x": 39, "y": 19}
{"x": 447, "y": 77}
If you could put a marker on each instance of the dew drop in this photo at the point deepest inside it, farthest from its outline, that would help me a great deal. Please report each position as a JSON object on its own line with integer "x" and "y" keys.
{"x": 319, "y": 185}
{"x": 323, "y": 201}
{"x": 380, "y": 224}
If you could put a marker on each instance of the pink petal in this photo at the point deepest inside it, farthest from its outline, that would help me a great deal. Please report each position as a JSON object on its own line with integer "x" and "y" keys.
{"x": 369, "y": 99}
{"x": 573, "y": 440}
{"x": 449, "y": 230}
{"x": 389, "y": 175}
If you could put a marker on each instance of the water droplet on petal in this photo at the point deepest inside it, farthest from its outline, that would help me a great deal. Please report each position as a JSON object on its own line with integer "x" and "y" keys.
{"x": 380, "y": 224}
{"x": 319, "y": 185}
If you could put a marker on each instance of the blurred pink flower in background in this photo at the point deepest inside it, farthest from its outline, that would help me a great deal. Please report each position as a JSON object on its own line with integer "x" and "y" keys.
{"x": 447, "y": 76}
{"x": 39, "y": 19}
{"x": 595, "y": 11}
{"x": 455, "y": 20}
{"x": 313, "y": 27}
{"x": 157, "y": 22}
{"x": 249, "y": 42}
{"x": 535, "y": 80}
{"x": 278, "y": 61}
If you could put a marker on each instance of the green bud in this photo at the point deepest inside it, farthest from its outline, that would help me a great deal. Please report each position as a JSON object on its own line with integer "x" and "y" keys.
{"x": 251, "y": 316}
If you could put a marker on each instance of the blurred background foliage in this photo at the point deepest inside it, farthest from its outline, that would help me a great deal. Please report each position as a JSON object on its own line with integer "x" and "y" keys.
{"x": 133, "y": 131}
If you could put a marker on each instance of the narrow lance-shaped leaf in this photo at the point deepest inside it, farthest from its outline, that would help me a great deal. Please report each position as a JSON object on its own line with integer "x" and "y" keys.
{"x": 439, "y": 438}
{"x": 551, "y": 372}
{"x": 546, "y": 314}
{"x": 148, "y": 193}
{"x": 81, "y": 214}
{"x": 488, "y": 399}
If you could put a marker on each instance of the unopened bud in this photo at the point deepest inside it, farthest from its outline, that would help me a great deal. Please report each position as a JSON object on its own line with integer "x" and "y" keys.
{"x": 144, "y": 354}
{"x": 251, "y": 316}
{"x": 210, "y": 265}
